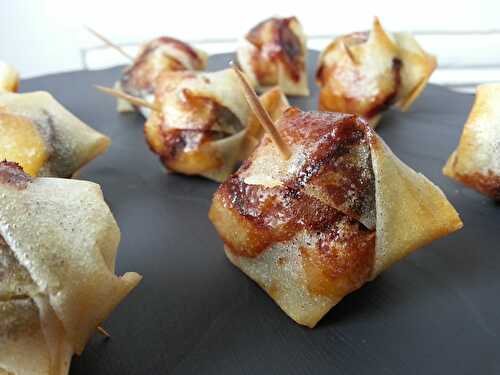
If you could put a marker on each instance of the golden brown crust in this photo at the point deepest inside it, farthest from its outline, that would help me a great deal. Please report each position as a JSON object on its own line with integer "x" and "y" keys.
{"x": 476, "y": 161}
{"x": 488, "y": 184}
{"x": 342, "y": 268}
{"x": 342, "y": 253}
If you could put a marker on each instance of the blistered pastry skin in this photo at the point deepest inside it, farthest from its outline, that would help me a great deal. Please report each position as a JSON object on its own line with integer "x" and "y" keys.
{"x": 476, "y": 161}
{"x": 340, "y": 210}
{"x": 273, "y": 53}
{"x": 205, "y": 126}
{"x": 367, "y": 72}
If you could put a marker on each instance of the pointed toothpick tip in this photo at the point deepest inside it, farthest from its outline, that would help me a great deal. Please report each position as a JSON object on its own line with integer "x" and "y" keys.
{"x": 108, "y": 42}
{"x": 131, "y": 99}
{"x": 103, "y": 332}
{"x": 261, "y": 113}
{"x": 349, "y": 53}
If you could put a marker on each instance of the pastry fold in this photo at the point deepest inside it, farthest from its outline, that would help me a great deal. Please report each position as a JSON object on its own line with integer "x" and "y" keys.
{"x": 160, "y": 55}
{"x": 205, "y": 126}
{"x": 58, "y": 243}
{"x": 367, "y": 72}
{"x": 274, "y": 53}
{"x": 43, "y": 137}
{"x": 339, "y": 211}
{"x": 476, "y": 161}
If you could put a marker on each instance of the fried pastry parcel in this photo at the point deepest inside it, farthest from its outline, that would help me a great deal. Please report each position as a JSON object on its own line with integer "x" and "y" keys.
{"x": 476, "y": 161}
{"x": 58, "y": 243}
{"x": 155, "y": 57}
{"x": 367, "y": 72}
{"x": 343, "y": 208}
{"x": 43, "y": 137}
{"x": 205, "y": 126}
{"x": 274, "y": 53}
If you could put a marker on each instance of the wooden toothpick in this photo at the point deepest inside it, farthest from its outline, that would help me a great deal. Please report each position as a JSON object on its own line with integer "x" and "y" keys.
{"x": 261, "y": 114}
{"x": 109, "y": 43}
{"x": 103, "y": 332}
{"x": 349, "y": 53}
{"x": 132, "y": 99}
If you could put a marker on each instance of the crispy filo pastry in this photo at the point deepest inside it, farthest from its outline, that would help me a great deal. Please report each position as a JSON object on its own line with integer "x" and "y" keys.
{"x": 155, "y": 57}
{"x": 58, "y": 243}
{"x": 476, "y": 161}
{"x": 9, "y": 78}
{"x": 339, "y": 211}
{"x": 43, "y": 137}
{"x": 205, "y": 126}
{"x": 367, "y": 72}
{"x": 275, "y": 53}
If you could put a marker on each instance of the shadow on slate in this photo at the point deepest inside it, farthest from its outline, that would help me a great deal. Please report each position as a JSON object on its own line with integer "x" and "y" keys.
{"x": 435, "y": 312}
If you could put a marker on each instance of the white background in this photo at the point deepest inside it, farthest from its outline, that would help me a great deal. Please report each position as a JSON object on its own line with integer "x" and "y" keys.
{"x": 46, "y": 36}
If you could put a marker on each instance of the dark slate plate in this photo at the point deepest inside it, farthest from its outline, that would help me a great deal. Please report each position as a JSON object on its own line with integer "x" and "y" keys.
{"x": 436, "y": 312}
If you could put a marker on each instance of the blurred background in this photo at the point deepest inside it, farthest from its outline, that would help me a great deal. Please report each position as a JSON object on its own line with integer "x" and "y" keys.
{"x": 47, "y": 36}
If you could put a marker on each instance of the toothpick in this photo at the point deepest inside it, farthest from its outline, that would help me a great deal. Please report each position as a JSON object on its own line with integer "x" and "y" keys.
{"x": 103, "y": 332}
{"x": 132, "y": 99}
{"x": 109, "y": 43}
{"x": 261, "y": 114}
{"x": 349, "y": 53}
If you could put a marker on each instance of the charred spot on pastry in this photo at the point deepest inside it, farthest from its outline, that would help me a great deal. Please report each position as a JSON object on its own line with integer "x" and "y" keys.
{"x": 343, "y": 247}
{"x": 177, "y": 141}
{"x": 397, "y": 65}
{"x": 281, "y": 44}
{"x": 275, "y": 214}
{"x": 384, "y": 105}
{"x": 291, "y": 48}
{"x": 12, "y": 174}
{"x": 290, "y": 43}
